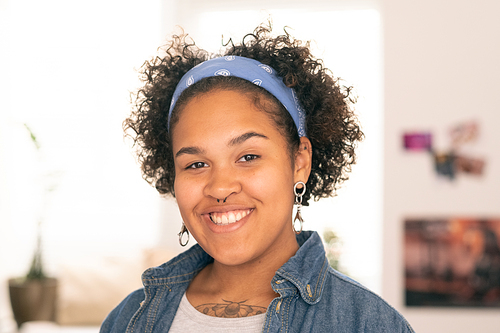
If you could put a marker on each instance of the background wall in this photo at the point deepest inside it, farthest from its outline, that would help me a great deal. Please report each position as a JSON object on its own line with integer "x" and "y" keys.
{"x": 441, "y": 68}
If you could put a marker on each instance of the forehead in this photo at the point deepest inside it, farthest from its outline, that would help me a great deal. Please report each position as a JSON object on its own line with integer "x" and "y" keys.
{"x": 221, "y": 112}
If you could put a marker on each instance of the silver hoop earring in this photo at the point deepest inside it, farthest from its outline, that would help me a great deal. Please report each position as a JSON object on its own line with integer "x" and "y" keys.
{"x": 183, "y": 231}
{"x": 298, "y": 203}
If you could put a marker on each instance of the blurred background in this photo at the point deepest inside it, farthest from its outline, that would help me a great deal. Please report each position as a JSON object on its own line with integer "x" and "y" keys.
{"x": 67, "y": 69}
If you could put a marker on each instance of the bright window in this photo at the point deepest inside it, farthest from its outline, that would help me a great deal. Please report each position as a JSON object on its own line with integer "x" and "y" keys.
{"x": 67, "y": 73}
{"x": 349, "y": 42}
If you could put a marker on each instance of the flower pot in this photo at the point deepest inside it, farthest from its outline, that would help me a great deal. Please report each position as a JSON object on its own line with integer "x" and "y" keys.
{"x": 33, "y": 299}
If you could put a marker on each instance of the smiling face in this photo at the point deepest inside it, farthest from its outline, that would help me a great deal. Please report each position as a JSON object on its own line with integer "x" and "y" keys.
{"x": 234, "y": 178}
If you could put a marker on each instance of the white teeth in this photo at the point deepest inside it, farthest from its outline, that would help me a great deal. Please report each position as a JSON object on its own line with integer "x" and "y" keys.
{"x": 228, "y": 217}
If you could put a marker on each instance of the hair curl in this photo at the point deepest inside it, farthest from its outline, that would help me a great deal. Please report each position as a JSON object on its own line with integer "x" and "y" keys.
{"x": 331, "y": 125}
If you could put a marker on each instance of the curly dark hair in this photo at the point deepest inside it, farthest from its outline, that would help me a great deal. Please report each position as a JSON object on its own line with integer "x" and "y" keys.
{"x": 331, "y": 125}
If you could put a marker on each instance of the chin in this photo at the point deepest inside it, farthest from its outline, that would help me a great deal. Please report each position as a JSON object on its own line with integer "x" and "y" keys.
{"x": 230, "y": 256}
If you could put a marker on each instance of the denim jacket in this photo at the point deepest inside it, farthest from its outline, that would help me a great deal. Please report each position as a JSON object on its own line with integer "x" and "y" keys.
{"x": 313, "y": 297}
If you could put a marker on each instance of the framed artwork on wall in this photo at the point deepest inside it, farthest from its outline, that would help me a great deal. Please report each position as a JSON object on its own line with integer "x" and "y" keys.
{"x": 452, "y": 262}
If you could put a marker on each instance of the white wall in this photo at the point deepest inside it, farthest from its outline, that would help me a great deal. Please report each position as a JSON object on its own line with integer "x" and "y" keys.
{"x": 442, "y": 66}
{"x": 347, "y": 37}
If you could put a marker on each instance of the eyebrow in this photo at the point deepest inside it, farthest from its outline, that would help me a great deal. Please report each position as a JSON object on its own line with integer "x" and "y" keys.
{"x": 233, "y": 142}
{"x": 189, "y": 151}
{"x": 242, "y": 138}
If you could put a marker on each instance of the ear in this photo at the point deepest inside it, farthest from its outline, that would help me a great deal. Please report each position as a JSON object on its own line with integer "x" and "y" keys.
{"x": 303, "y": 161}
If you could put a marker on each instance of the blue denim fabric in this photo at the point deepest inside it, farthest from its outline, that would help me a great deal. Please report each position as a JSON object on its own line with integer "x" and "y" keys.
{"x": 313, "y": 297}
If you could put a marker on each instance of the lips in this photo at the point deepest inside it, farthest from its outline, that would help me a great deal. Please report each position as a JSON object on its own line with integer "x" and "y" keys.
{"x": 225, "y": 218}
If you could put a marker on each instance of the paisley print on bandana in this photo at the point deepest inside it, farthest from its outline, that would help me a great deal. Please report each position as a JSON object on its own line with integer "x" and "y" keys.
{"x": 251, "y": 70}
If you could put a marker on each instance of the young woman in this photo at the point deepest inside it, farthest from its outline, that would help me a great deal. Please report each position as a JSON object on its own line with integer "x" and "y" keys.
{"x": 238, "y": 139}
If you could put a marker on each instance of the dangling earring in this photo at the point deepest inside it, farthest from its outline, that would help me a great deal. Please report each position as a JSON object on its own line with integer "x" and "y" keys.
{"x": 184, "y": 230}
{"x": 298, "y": 203}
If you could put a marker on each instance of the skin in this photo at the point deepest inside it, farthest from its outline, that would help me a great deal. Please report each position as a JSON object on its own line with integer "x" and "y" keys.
{"x": 227, "y": 149}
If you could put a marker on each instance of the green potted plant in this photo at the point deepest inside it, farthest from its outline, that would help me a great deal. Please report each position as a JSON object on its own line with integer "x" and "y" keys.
{"x": 34, "y": 296}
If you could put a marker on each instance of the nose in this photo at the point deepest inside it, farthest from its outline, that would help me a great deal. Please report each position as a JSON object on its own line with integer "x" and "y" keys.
{"x": 223, "y": 182}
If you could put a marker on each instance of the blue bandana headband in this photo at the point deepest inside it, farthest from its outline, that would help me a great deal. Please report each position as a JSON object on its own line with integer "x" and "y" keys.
{"x": 250, "y": 70}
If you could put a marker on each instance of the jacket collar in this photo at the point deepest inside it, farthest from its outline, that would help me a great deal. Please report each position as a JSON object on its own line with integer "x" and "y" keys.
{"x": 181, "y": 269}
{"x": 305, "y": 271}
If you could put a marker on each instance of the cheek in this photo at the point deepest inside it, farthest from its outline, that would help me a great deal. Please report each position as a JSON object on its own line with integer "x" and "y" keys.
{"x": 272, "y": 184}
{"x": 186, "y": 194}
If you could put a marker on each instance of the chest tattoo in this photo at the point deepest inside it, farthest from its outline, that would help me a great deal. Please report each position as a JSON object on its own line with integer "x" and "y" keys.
{"x": 230, "y": 309}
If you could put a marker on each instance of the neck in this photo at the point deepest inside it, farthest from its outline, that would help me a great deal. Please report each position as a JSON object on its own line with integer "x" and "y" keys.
{"x": 250, "y": 281}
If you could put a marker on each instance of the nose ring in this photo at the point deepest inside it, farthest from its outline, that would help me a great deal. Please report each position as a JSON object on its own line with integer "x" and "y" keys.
{"x": 224, "y": 201}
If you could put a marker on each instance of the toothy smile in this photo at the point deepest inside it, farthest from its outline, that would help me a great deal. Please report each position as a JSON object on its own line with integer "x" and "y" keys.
{"x": 229, "y": 217}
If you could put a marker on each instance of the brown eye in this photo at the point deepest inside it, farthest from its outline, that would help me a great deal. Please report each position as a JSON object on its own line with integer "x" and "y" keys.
{"x": 248, "y": 158}
{"x": 197, "y": 165}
